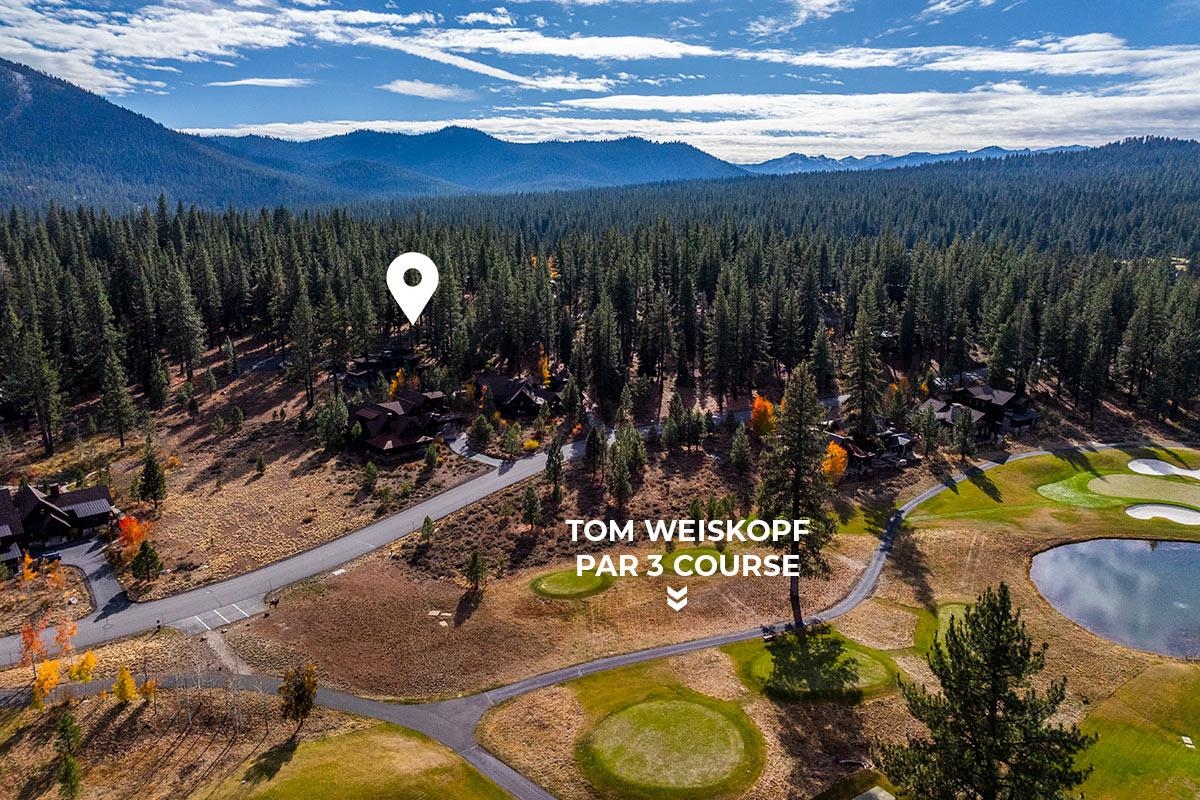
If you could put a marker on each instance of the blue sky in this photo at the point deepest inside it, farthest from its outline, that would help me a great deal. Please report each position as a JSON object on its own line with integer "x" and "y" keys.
{"x": 745, "y": 81}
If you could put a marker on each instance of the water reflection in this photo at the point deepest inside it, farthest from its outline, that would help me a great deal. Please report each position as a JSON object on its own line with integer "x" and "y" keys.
{"x": 1135, "y": 592}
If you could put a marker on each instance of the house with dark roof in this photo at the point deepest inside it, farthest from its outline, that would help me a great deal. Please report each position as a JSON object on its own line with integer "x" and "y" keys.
{"x": 522, "y": 397}
{"x": 946, "y": 413}
{"x": 404, "y": 424}
{"x": 1003, "y": 411}
{"x": 35, "y": 517}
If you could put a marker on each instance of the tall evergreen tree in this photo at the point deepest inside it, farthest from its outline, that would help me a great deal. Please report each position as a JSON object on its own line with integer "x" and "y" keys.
{"x": 115, "y": 400}
{"x": 792, "y": 483}
{"x": 991, "y": 731}
{"x": 863, "y": 379}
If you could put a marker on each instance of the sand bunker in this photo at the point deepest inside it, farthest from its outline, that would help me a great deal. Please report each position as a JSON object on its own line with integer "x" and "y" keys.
{"x": 1153, "y": 466}
{"x": 1184, "y": 516}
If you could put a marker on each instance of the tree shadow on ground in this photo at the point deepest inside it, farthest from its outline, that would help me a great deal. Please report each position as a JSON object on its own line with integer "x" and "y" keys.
{"x": 912, "y": 567}
{"x": 267, "y": 765}
{"x": 813, "y": 663}
{"x": 980, "y": 480}
{"x": 468, "y": 604}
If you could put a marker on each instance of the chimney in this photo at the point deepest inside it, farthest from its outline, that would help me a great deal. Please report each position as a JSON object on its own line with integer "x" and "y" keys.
{"x": 55, "y": 489}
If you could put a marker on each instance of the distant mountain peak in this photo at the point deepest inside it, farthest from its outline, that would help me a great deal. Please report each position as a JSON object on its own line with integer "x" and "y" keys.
{"x": 798, "y": 162}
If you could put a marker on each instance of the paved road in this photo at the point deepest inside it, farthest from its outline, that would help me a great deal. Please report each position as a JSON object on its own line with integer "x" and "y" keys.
{"x": 242, "y": 596}
{"x": 453, "y": 722}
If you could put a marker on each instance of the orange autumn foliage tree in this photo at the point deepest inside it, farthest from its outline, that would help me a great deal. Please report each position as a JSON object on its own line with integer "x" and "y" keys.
{"x": 130, "y": 533}
{"x": 835, "y": 462}
{"x": 762, "y": 416}
{"x": 28, "y": 573}
{"x": 64, "y": 631}
{"x": 33, "y": 648}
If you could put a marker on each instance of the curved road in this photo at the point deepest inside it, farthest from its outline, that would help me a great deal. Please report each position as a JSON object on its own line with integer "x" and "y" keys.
{"x": 451, "y": 722}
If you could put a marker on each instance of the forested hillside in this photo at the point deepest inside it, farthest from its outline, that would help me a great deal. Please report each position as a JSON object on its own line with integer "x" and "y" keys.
{"x": 1133, "y": 199}
{"x": 92, "y": 302}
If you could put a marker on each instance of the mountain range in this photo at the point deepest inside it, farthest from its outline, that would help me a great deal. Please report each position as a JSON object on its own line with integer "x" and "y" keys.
{"x": 61, "y": 143}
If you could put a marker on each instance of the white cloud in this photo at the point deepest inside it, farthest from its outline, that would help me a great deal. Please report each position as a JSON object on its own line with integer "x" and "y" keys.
{"x": 272, "y": 83}
{"x": 801, "y": 12}
{"x": 943, "y": 8}
{"x": 497, "y": 16}
{"x": 431, "y": 91}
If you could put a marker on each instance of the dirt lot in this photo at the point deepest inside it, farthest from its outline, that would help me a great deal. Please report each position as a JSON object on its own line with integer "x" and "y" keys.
{"x": 352, "y": 624}
{"x": 59, "y": 589}
{"x": 495, "y": 525}
{"x": 221, "y": 518}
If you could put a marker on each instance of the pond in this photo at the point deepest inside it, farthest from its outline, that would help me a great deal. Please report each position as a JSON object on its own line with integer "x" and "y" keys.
{"x": 1134, "y": 592}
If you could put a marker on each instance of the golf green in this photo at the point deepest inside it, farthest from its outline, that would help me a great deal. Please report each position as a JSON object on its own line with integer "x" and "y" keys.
{"x": 568, "y": 585}
{"x": 825, "y": 665}
{"x": 669, "y": 744}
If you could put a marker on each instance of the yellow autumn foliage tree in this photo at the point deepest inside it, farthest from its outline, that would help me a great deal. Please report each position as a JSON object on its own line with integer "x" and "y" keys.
{"x": 83, "y": 668}
{"x": 48, "y": 675}
{"x": 125, "y": 689}
{"x": 835, "y": 462}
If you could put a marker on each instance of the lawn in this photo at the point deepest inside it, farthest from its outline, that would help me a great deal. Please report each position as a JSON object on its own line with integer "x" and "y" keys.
{"x": 379, "y": 763}
{"x": 568, "y": 584}
{"x": 1140, "y": 753}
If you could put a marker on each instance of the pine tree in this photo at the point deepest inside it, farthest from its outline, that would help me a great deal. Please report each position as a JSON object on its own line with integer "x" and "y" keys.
{"x": 531, "y": 507}
{"x": 792, "y": 484}
{"x": 157, "y": 383}
{"x": 153, "y": 481}
{"x": 116, "y": 403}
{"x": 595, "y": 449}
{"x": 554, "y": 465}
{"x": 739, "y": 451}
{"x": 606, "y": 360}
{"x": 822, "y": 361}
{"x": 863, "y": 382}
{"x": 146, "y": 564}
{"x": 229, "y": 353}
{"x": 305, "y": 352}
{"x": 991, "y": 734}
{"x": 476, "y": 572}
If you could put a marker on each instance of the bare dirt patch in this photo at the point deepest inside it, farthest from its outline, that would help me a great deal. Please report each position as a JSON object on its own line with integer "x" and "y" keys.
{"x": 57, "y": 590}
{"x": 536, "y": 733}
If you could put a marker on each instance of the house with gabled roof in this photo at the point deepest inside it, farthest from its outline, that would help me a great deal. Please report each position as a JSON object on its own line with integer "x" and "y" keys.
{"x": 405, "y": 423}
{"x": 31, "y": 516}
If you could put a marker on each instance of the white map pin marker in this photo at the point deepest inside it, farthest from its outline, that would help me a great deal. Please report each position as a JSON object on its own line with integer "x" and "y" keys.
{"x": 412, "y": 299}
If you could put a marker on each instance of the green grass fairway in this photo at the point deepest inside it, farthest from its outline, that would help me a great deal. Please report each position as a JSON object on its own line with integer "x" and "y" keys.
{"x": 668, "y": 744}
{"x": 1053, "y": 490}
{"x": 567, "y": 585}
{"x": 1140, "y": 753}
{"x": 1074, "y": 491}
{"x": 1144, "y": 487}
{"x": 384, "y": 762}
{"x": 652, "y": 738}
{"x": 930, "y": 625}
{"x": 829, "y": 667}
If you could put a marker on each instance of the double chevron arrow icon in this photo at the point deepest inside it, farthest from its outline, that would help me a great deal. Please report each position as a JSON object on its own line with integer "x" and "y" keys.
{"x": 677, "y": 598}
